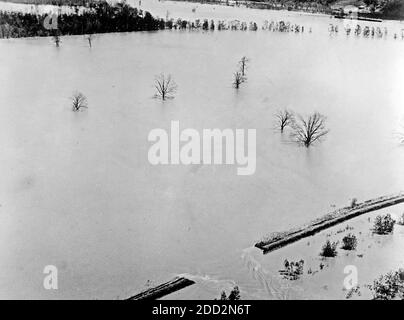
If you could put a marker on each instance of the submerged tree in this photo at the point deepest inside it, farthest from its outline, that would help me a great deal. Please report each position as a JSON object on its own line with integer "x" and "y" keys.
{"x": 284, "y": 118}
{"x": 238, "y": 79}
{"x": 56, "y": 39}
{"x": 79, "y": 101}
{"x": 243, "y": 65}
{"x": 165, "y": 86}
{"x": 212, "y": 25}
{"x": 234, "y": 294}
{"x": 383, "y": 224}
{"x": 90, "y": 38}
{"x": 309, "y": 130}
{"x": 293, "y": 269}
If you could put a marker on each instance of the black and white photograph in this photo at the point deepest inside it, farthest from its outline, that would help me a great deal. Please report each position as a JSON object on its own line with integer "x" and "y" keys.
{"x": 207, "y": 150}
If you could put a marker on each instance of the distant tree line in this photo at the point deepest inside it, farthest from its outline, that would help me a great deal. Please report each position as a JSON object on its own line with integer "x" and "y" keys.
{"x": 101, "y": 17}
{"x": 121, "y": 17}
{"x": 55, "y": 2}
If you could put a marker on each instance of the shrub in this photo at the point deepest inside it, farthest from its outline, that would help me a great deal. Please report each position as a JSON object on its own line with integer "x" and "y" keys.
{"x": 388, "y": 286}
{"x": 353, "y": 291}
{"x": 401, "y": 220}
{"x": 349, "y": 242}
{"x": 329, "y": 249}
{"x": 234, "y": 294}
{"x": 383, "y": 224}
{"x": 223, "y": 296}
{"x": 293, "y": 270}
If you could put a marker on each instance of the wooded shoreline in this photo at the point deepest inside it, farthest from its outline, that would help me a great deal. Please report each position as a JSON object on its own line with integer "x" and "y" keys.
{"x": 101, "y": 17}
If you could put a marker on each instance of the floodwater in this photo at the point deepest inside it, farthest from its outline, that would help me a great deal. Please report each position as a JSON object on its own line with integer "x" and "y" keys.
{"x": 77, "y": 190}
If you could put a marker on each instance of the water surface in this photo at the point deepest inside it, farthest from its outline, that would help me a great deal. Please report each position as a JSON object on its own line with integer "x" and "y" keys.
{"x": 77, "y": 190}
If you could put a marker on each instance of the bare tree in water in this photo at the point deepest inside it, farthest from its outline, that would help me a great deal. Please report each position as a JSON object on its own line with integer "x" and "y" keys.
{"x": 309, "y": 130}
{"x": 284, "y": 118}
{"x": 243, "y": 65}
{"x": 79, "y": 101}
{"x": 90, "y": 38}
{"x": 165, "y": 86}
{"x": 238, "y": 79}
{"x": 56, "y": 39}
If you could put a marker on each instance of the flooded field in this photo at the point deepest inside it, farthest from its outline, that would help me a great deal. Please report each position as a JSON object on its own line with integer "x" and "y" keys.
{"x": 77, "y": 190}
